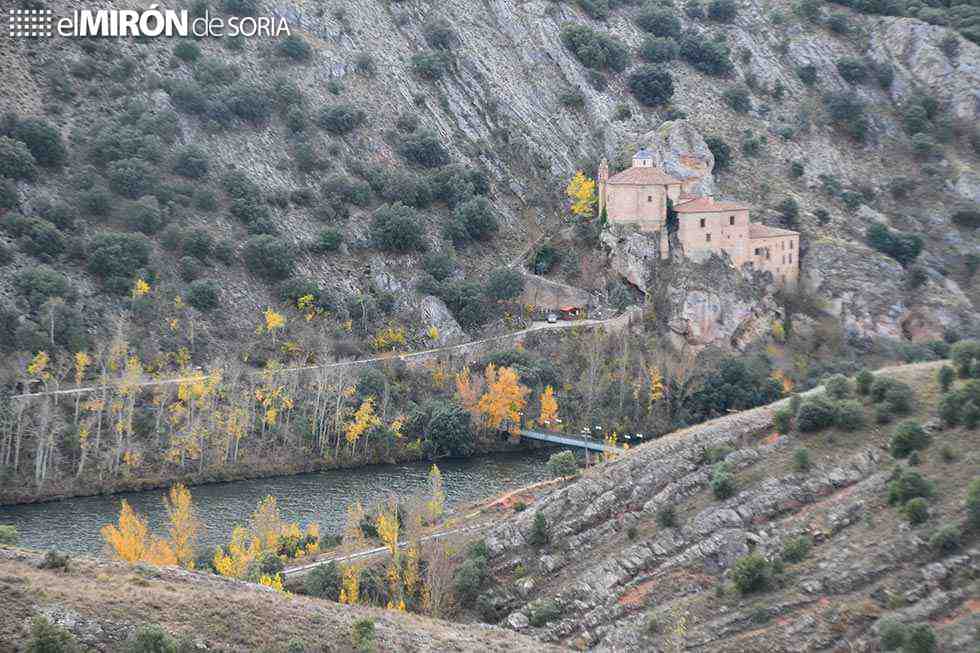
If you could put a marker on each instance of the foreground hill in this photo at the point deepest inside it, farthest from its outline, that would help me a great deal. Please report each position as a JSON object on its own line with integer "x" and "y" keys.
{"x": 103, "y": 604}
{"x": 725, "y": 537}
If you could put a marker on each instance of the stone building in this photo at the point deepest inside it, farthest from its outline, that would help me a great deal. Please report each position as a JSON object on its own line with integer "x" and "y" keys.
{"x": 638, "y": 197}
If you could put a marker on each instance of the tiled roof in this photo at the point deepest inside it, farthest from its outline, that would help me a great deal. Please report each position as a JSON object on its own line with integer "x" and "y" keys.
{"x": 757, "y": 230}
{"x": 643, "y": 153}
{"x": 640, "y": 175}
{"x": 708, "y": 205}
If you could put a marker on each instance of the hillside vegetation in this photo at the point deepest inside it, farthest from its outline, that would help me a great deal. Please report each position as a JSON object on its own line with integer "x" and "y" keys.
{"x": 852, "y": 522}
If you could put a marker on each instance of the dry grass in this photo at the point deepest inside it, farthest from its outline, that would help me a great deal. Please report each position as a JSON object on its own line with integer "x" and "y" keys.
{"x": 224, "y": 614}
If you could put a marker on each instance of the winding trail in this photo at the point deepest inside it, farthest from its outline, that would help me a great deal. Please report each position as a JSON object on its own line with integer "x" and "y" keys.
{"x": 609, "y": 323}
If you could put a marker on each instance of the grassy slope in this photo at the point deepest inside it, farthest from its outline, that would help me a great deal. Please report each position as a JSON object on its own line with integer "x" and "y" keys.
{"x": 224, "y": 614}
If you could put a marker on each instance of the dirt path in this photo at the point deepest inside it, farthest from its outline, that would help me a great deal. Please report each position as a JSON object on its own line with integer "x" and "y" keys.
{"x": 609, "y": 323}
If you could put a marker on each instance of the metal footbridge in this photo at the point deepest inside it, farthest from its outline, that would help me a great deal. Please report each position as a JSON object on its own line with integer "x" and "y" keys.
{"x": 569, "y": 441}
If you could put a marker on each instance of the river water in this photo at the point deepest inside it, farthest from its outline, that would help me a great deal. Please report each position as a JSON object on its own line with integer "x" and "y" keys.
{"x": 73, "y": 524}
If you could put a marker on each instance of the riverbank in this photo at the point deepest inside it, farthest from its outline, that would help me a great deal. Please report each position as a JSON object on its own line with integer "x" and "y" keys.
{"x": 246, "y": 471}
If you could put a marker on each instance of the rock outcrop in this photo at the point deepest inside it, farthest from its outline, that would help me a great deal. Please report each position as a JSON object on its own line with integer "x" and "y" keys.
{"x": 680, "y": 151}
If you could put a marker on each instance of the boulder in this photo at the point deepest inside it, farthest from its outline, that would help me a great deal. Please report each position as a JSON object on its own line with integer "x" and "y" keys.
{"x": 436, "y": 313}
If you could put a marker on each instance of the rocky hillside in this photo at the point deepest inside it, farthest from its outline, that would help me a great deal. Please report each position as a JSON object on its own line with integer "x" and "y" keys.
{"x": 255, "y": 167}
{"x": 103, "y": 606}
{"x": 731, "y": 537}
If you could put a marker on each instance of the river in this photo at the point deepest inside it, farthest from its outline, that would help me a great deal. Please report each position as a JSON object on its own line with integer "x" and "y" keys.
{"x": 73, "y": 524}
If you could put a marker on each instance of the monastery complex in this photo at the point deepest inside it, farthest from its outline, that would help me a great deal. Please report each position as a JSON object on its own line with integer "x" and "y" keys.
{"x": 639, "y": 195}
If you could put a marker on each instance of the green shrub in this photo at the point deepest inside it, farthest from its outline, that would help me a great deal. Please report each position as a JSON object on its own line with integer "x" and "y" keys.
{"x": 816, "y": 413}
{"x": 801, "y": 459}
{"x": 504, "y": 284}
{"x": 131, "y": 178}
{"x": 439, "y": 34}
{"x": 328, "y": 240}
{"x": 542, "y": 611}
{"x": 294, "y": 47}
{"x": 117, "y": 255}
{"x": 16, "y": 161}
{"x": 723, "y": 11}
{"x": 946, "y": 539}
{"x": 721, "y": 151}
{"x": 344, "y": 189}
{"x": 397, "y": 228}
{"x": 966, "y": 217}
{"x": 920, "y": 638}
{"x": 916, "y": 511}
{"x": 966, "y": 357}
{"x": 904, "y": 248}
{"x": 539, "y": 531}
{"x": 783, "y": 420}
{"x": 249, "y": 101}
{"x": 439, "y": 265}
{"x": 594, "y": 49}
{"x": 213, "y": 72}
{"x": 850, "y": 415}
{"x": 191, "y": 161}
{"x": 339, "y": 119}
{"x": 9, "y": 535}
{"x": 9, "y": 197}
{"x": 751, "y": 573}
{"x": 563, "y": 464}
{"x": 145, "y": 215}
{"x": 431, "y": 66}
{"x": 42, "y": 140}
{"x": 659, "y": 21}
{"x": 838, "y": 23}
{"x": 797, "y": 549}
{"x": 848, "y": 113}
{"x": 240, "y": 7}
{"x": 151, "y": 638}
{"x": 362, "y": 635}
{"x": 807, "y": 74}
{"x": 187, "y": 50}
{"x": 667, "y": 517}
{"x": 837, "y": 386}
{"x": 47, "y": 637}
{"x": 323, "y": 582}
{"x": 907, "y": 485}
{"x": 946, "y": 376}
{"x": 892, "y": 634}
{"x": 973, "y": 503}
{"x": 473, "y": 219}
{"x": 447, "y": 430}
{"x": 269, "y": 257}
{"x": 40, "y": 283}
{"x": 738, "y": 99}
{"x": 651, "y": 85}
{"x": 863, "y": 382}
{"x": 908, "y": 437}
{"x": 852, "y": 70}
{"x": 710, "y": 57}
{"x": 722, "y": 483}
{"x": 423, "y": 148}
{"x": 202, "y": 294}
{"x": 658, "y": 50}
{"x": 469, "y": 578}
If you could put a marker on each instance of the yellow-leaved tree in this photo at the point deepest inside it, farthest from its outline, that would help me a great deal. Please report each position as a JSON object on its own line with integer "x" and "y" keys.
{"x": 549, "y": 409}
{"x": 364, "y": 420}
{"x": 388, "y": 530}
{"x": 131, "y": 540}
{"x": 504, "y": 399}
{"x": 436, "y": 503}
{"x": 183, "y": 526}
{"x": 581, "y": 190}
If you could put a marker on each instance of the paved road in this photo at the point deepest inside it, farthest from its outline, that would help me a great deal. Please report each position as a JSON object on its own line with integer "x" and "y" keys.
{"x": 535, "y": 326}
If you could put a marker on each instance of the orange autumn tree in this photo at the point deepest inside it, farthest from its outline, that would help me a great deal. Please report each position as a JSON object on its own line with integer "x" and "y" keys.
{"x": 504, "y": 399}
